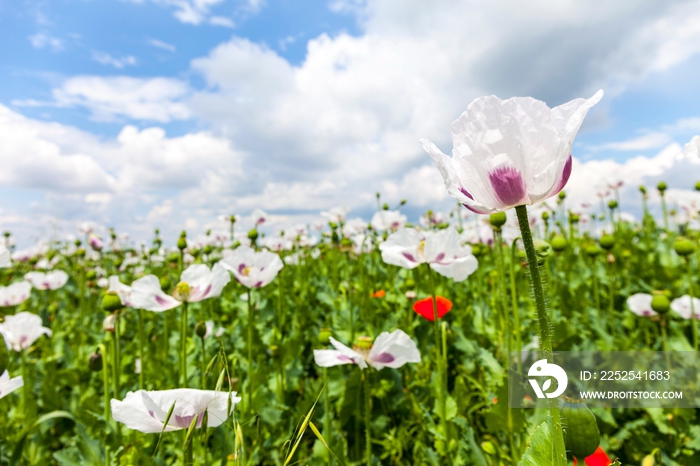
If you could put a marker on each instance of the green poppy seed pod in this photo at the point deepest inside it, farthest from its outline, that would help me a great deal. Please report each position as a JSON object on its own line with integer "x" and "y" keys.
{"x": 697, "y": 187}
{"x": 378, "y": 195}
{"x": 545, "y": 215}
{"x": 90, "y": 274}
{"x": 559, "y": 243}
{"x": 612, "y": 204}
{"x": 403, "y": 202}
{"x": 660, "y": 302}
{"x": 80, "y": 252}
{"x": 346, "y": 243}
{"x": 385, "y": 206}
{"x": 498, "y": 219}
{"x": 607, "y": 242}
{"x": 333, "y": 225}
{"x": 661, "y": 187}
{"x": 253, "y": 234}
{"x": 542, "y": 249}
{"x": 593, "y": 250}
{"x": 4, "y": 355}
{"x": 182, "y": 291}
{"x": 574, "y": 218}
{"x": 207, "y": 249}
{"x": 6, "y": 234}
{"x": 562, "y": 195}
{"x": 684, "y": 246}
{"x": 165, "y": 283}
{"x": 200, "y": 329}
{"x": 581, "y": 434}
{"x": 77, "y": 243}
{"x": 324, "y": 335}
{"x": 364, "y": 343}
{"x": 182, "y": 243}
{"x": 409, "y": 283}
{"x": 111, "y": 301}
{"x": 642, "y": 189}
{"x": 95, "y": 362}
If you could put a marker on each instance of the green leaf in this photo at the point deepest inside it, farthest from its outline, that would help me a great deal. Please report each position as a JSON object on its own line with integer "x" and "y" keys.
{"x": 541, "y": 449}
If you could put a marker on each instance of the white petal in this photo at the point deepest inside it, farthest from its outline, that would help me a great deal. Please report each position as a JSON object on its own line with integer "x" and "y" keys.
{"x": 330, "y": 358}
{"x": 354, "y": 356}
{"x": 393, "y": 350}
{"x": 640, "y": 304}
{"x": 146, "y": 294}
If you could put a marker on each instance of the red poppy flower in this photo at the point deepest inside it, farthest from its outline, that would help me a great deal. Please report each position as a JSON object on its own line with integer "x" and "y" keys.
{"x": 598, "y": 458}
{"x": 378, "y": 294}
{"x": 424, "y": 307}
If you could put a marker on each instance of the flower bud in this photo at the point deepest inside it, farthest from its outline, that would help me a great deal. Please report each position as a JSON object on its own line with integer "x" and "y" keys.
{"x": 174, "y": 258}
{"x": 200, "y": 329}
{"x": 542, "y": 249}
{"x": 697, "y": 186}
{"x": 559, "y": 243}
{"x": 612, "y": 204}
{"x": 661, "y": 187}
{"x": 684, "y": 246}
{"x": 109, "y": 323}
{"x": 574, "y": 218}
{"x": 660, "y": 302}
{"x": 165, "y": 283}
{"x": 207, "y": 249}
{"x": 90, "y": 275}
{"x": 385, "y": 206}
{"x": 253, "y": 234}
{"x": 182, "y": 243}
{"x": 80, "y": 252}
{"x": 498, "y": 219}
{"x": 95, "y": 362}
{"x": 562, "y": 195}
{"x": 607, "y": 242}
{"x": 324, "y": 335}
{"x": 642, "y": 189}
{"x": 111, "y": 301}
{"x": 4, "y": 355}
{"x": 545, "y": 215}
{"x": 95, "y": 242}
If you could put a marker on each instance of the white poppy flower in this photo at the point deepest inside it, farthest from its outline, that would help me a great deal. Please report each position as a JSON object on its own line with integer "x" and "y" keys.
{"x": 640, "y": 304}
{"x": 336, "y": 214}
{"x": 259, "y": 217}
{"x": 682, "y": 307}
{"x": 408, "y": 248}
{"x": 252, "y": 269}
{"x": 15, "y": 294}
{"x": 8, "y": 385}
{"x": 389, "y": 350}
{"x": 388, "y": 220}
{"x": 47, "y": 281}
{"x": 85, "y": 228}
{"x": 146, "y": 411}
{"x": 95, "y": 242}
{"x": 22, "y": 330}
{"x": 510, "y": 152}
{"x": 209, "y": 325}
{"x": 354, "y": 227}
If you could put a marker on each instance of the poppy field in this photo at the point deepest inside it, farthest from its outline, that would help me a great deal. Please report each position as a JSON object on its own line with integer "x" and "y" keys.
{"x": 353, "y": 342}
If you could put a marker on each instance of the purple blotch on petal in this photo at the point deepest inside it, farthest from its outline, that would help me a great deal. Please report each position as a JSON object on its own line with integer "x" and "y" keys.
{"x": 440, "y": 257}
{"x": 565, "y": 174}
{"x": 466, "y": 193}
{"x": 508, "y": 184}
{"x": 384, "y": 358}
{"x": 409, "y": 257}
{"x": 241, "y": 268}
{"x": 344, "y": 358}
{"x": 160, "y": 300}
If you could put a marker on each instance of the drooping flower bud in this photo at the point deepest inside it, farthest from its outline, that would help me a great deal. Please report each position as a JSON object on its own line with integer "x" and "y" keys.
{"x": 111, "y": 301}
{"x": 607, "y": 242}
{"x": 200, "y": 329}
{"x": 559, "y": 243}
{"x": 497, "y": 219}
{"x": 542, "y": 249}
{"x": 95, "y": 362}
{"x": 684, "y": 246}
{"x": 660, "y": 302}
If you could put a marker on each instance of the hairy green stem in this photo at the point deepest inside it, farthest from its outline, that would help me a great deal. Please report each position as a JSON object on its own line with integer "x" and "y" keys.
{"x": 250, "y": 349}
{"x": 183, "y": 345}
{"x": 514, "y": 304}
{"x": 142, "y": 354}
{"x": 441, "y": 388}
{"x": 368, "y": 416}
{"x": 543, "y": 320}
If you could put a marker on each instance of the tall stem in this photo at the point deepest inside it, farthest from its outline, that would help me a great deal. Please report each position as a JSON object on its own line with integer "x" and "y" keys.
{"x": 26, "y": 387}
{"x": 327, "y": 414}
{"x": 545, "y": 339}
{"x": 663, "y": 208}
{"x": 142, "y": 355}
{"x": 692, "y": 304}
{"x": 441, "y": 388}
{"x": 183, "y": 345}
{"x": 368, "y": 411}
{"x": 250, "y": 349}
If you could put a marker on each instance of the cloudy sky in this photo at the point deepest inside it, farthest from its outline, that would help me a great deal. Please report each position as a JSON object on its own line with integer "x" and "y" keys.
{"x": 168, "y": 113}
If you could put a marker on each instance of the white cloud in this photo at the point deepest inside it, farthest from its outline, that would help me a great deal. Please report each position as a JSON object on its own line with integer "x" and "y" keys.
{"x": 40, "y": 41}
{"x": 107, "y": 59}
{"x": 651, "y": 140}
{"x": 162, "y": 45}
{"x": 221, "y": 21}
{"x": 156, "y": 99}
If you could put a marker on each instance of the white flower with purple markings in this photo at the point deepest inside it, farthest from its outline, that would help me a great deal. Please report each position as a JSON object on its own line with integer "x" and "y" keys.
{"x": 685, "y": 307}
{"x": 389, "y": 350}
{"x": 22, "y": 330}
{"x": 388, "y": 220}
{"x": 147, "y": 411}
{"x": 252, "y": 269}
{"x": 47, "y": 281}
{"x": 640, "y": 304}
{"x": 15, "y": 294}
{"x": 8, "y": 385}
{"x": 510, "y": 152}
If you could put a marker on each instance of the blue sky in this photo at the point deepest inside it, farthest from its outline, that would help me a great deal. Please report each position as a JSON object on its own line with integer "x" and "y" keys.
{"x": 144, "y": 113}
